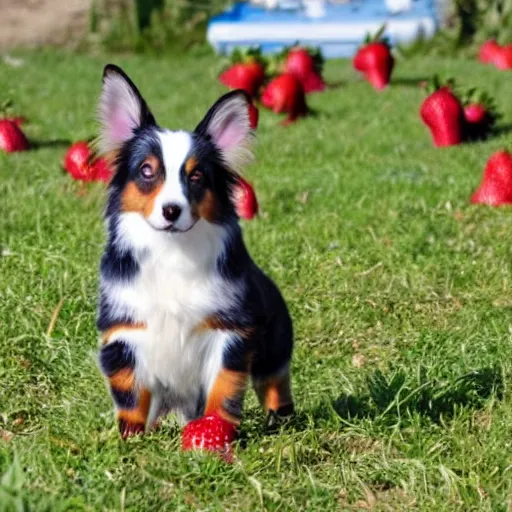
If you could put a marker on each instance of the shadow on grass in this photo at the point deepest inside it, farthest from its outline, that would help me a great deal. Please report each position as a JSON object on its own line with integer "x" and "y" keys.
{"x": 504, "y": 129}
{"x": 399, "y": 395}
{"x": 57, "y": 143}
{"x": 478, "y": 136}
{"x": 338, "y": 84}
{"x": 413, "y": 81}
{"x": 312, "y": 112}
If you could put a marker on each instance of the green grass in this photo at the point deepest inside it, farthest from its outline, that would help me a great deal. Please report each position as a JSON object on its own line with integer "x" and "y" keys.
{"x": 400, "y": 292}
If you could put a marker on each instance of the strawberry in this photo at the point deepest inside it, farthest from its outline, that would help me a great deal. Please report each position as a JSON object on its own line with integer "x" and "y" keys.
{"x": 245, "y": 201}
{"x": 442, "y": 112}
{"x": 81, "y": 163}
{"x": 254, "y": 115}
{"x": 248, "y": 77}
{"x": 475, "y": 113}
{"x": 496, "y": 186}
{"x": 480, "y": 114}
{"x": 285, "y": 94}
{"x": 211, "y": 433}
{"x": 488, "y": 51}
{"x": 11, "y": 137}
{"x": 77, "y": 161}
{"x": 375, "y": 61}
{"x": 101, "y": 171}
{"x": 503, "y": 57}
{"x": 306, "y": 66}
{"x": 247, "y": 71}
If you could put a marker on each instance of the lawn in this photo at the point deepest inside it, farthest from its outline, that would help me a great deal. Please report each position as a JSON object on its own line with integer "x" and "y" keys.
{"x": 400, "y": 292}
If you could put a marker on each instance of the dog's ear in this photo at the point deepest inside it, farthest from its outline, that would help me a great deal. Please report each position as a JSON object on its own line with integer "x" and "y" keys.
{"x": 122, "y": 109}
{"x": 227, "y": 125}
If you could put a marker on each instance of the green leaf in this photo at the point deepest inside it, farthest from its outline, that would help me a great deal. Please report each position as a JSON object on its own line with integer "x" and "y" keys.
{"x": 380, "y": 33}
{"x": 438, "y": 82}
{"x": 6, "y": 106}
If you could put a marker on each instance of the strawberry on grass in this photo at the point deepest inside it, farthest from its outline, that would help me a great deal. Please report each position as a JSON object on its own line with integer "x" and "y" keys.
{"x": 443, "y": 113}
{"x": 247, "y": 71}
{"x": 101, "y": 170}
{"x": 488, "y": 51}
{"x": 492, "y": 52}
{"x": 81, "y": 163}
{"x": 77, "y": 161}
{"x": 211, "y": 433}
{"x": 480, "y": 114}
{"x": 285, "y": 94}
{"x": 244, "y": 198}
{"x": 503, "y": 57}
{"x": 304, "y": 63}
{"x": 374, "y": 60}
{"x": 12, "y": 138}
{"x": 496, "y": 186}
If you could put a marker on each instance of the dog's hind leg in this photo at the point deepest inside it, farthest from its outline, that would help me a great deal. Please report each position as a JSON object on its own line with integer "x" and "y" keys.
{"x": 270, "y": 369}
{"x": 274, "y": 392}
{"x": 227, "y": 377}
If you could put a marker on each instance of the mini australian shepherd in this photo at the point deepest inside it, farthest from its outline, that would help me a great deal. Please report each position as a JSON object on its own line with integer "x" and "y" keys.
{"x": 185, "y": 315}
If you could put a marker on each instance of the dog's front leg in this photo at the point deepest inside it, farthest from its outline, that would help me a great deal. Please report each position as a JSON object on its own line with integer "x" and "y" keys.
{"x": 117, "y": 362}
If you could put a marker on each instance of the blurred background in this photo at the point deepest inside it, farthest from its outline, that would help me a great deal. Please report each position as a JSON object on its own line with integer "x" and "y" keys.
{"x": 337, "y": 26}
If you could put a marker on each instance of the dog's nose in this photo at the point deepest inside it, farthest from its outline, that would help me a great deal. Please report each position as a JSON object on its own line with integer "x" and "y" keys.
{"x": 171, "y": 212}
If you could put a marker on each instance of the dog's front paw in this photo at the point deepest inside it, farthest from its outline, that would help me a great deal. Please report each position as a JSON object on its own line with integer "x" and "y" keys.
{"x": 128, "y": 429}
{"x": 211, "y": 433}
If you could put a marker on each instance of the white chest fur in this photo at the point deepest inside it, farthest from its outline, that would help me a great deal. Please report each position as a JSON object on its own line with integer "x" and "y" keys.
{"x": 173, "y": 305}
{"x": 176, "y": 288}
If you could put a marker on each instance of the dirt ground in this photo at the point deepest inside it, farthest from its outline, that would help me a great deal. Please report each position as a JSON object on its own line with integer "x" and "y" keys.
{"x": 32, "y": 23}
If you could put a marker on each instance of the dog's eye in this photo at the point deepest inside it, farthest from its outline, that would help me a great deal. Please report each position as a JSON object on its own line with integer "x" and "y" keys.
{"x": 147, "y": 171}
{"x": 196, "y": 176}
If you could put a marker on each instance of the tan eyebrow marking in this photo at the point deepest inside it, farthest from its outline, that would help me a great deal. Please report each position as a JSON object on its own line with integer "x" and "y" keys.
{"x": 190, "y": 164}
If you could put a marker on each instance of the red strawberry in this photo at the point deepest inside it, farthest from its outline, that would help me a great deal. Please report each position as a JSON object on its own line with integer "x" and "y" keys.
{"x": 253, "y": 116}
{"x": 244, "y": 197}
{"x": 376, "y": 63}
{"x": 480, "y": 114}
{"x": 285, "y": 94}
{"x": 101, "y": 171}
{"x": 306, "y": 67}
{"x": 442, "y": 112}
{"x": 475, "y": 113}
{"x": 374, "y": 60}
{"x": 503, "y": 58}
{"x": 78, "y": 161}
{"x": 81, "y": 163}
{"x": 488, "y": 51}
{"x": 248, "y": 77}
{"x": 11, "y": 137}
{"x": 211, "y": 433}
{"x": 479, "y": 122}
{"x": 247, "y": 71}
{"x": 496, "y": 186}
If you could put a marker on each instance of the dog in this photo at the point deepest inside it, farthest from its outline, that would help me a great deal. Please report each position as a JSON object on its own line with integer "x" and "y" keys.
{"x": 185, "y": 316}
